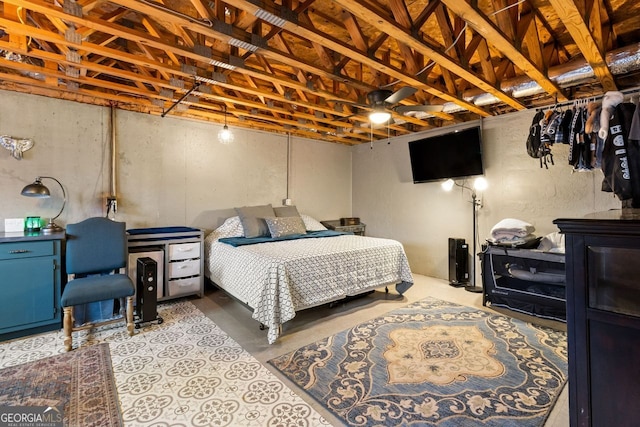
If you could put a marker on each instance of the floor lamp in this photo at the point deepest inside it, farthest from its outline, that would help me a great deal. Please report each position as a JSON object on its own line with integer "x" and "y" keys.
{"x": 479, "y": 184}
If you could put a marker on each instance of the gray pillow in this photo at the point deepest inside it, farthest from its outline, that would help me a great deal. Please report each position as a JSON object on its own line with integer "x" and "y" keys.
{"x": 286, "y": 211}
{"x": 285, "y": 226}
{"x": 252, "y": 219}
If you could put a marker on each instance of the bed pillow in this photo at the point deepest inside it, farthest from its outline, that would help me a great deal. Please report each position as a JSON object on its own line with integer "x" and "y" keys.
{"x": 232, "y": 227}
{"x": 286, "y": 211}
{"x": 252, "y": 219}
{"x": 312, "y": 224}
{"x": 285, "y": 226}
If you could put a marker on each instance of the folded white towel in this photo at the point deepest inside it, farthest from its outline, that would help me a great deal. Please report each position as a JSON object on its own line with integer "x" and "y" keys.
{"x": 513, "y": 241}
{"x": 510, "y": 227}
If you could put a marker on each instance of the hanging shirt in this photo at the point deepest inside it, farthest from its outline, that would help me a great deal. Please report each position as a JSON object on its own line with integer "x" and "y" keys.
{"x": 615, "y": 158}
{"x": 634, "y": 129}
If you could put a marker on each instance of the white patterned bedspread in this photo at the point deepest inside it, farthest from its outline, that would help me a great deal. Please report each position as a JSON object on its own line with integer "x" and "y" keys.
{"x": 277, "y": 279}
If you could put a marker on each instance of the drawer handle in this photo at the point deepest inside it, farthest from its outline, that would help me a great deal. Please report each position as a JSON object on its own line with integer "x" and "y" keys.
{"x": 19, "y": 251}
{"x": 185, "y": 249}
{"x": 182, "y": 267}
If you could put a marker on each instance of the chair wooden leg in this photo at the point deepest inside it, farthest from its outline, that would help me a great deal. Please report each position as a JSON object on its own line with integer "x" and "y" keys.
{"x": 129, "y": 313}
{"x": 67, "y": 324}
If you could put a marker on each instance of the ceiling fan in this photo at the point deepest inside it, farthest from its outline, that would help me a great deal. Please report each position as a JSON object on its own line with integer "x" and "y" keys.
{"x": 383, "y": 101}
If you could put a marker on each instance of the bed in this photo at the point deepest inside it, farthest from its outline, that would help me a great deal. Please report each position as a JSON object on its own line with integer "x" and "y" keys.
{"x": 280, "y": 276}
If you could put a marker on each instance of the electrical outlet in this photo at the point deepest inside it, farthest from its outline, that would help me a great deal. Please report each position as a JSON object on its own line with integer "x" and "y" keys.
{"x": 286, "y": 202}
{"x": 13, "y": 224}
{"x": 112, "y": 204}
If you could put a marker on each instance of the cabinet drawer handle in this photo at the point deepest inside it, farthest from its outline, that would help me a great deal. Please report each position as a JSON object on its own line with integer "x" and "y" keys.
{"x": 182, "y": 267}
{"x": 185, "y": 249}
{"x": 19, "y": 251}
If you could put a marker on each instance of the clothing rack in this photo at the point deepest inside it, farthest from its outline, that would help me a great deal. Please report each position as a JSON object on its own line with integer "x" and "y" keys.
{"x": 632, "y": 91}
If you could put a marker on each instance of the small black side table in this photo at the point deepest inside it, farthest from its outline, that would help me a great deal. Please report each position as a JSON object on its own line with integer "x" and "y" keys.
{"x": 335, "y": 225}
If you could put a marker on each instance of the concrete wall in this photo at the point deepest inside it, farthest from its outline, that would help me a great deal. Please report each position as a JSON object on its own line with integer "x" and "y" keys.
{"x": 423, "y": 216}
{"x": 174, "y": 172}
{"x": 170, "y": 171}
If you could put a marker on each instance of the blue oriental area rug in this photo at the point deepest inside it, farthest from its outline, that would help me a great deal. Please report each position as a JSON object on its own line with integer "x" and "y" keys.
{"x": 434, "y": 363}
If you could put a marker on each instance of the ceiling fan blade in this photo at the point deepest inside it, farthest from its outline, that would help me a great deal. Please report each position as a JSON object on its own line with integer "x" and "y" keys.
{"x": 423, "y": 108}
{"x": 401, "y": 94}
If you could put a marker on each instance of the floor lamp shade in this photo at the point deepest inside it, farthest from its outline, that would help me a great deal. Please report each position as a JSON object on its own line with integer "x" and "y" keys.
{"x": 39, "y": 190}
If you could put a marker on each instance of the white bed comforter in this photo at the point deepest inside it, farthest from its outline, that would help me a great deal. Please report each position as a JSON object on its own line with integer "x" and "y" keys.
{"x": 276, "y": 279}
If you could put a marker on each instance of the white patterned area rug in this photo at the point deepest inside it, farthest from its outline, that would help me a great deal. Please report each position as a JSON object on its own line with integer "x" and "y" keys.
{"x": 183, "y": 372}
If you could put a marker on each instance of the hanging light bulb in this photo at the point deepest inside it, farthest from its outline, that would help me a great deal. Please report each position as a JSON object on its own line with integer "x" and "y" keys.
{"x": 225, "y": 136}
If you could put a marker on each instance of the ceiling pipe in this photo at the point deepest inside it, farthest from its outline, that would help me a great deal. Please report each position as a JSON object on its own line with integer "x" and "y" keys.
{"x": 572, "y": 73}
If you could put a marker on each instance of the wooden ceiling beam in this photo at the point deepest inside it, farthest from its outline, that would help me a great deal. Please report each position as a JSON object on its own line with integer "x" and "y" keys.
{"x": 362, "y": 57}
{"x": 572, "y": 19}
{"x": 148, "y": 40}
{"x": 19, "y": 41}
{"x": 495, "y": 37}
{"x": 503, "y": 18}
{"x": 138, "y": 105}
{"x": 136, "y": 60}
{"x": 153, "y": 29}
{"x": 390, "y": 27}
{"x": 203, "y": 9}
{"x": 358, "y": 38}
{"x": 487, "y": 66}
{"x": 201, "y": 28}
{"x": 528, "y": 33}
{"x": 401, "y": 15}
{"x": 236, "y": 33}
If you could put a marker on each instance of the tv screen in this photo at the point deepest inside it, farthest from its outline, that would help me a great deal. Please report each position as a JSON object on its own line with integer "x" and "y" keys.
{"x": 450, "y": 155}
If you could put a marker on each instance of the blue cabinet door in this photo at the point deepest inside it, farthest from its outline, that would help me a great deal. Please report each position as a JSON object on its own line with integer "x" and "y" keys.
{"x": 28, "y": 292}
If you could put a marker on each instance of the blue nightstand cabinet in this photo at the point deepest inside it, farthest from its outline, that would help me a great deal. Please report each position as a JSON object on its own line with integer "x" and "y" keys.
{"x": 30, "y": 282}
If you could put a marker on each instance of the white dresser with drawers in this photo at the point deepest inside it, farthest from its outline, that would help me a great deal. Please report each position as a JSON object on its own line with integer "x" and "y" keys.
{"x": 179, "y": 254}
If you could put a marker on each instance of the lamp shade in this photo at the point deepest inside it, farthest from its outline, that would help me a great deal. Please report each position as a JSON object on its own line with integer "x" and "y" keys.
{"x": 379, "y": 116}
{"x": 37, "y": 189}
{"x": 448, "y": 184}
{"x": 480, "y": 184}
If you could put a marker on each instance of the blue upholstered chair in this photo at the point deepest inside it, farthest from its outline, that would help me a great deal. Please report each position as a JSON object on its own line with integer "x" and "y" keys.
{"x": 96, "y": 249}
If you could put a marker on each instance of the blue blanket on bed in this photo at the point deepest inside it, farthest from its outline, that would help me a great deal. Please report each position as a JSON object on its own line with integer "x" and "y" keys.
{"x": 241, "y": 241}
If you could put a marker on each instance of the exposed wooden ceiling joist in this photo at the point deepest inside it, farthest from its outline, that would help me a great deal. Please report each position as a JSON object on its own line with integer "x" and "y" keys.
{"x": 313, "y": 68}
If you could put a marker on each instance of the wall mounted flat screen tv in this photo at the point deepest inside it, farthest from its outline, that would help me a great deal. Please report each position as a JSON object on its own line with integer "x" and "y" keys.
{"x": 450, "y": 155}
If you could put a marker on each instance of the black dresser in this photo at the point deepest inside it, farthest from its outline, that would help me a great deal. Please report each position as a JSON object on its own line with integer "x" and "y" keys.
{"x": 603, "y": 317}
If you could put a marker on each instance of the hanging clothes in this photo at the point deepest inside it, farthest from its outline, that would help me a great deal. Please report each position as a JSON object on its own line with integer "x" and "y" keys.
{"x": 580, "y": 147}
{"x": 616, "y": 161}
{"x": 594, "y": 132}
{"x": 564, "y": 128}
{"x": 634, "y": 130}
{"x": 576, "y": 129}
{"x": 536, "y": 148}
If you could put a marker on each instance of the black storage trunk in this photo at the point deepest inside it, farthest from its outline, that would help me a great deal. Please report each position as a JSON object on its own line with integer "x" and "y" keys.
{"x": 525, "y": 280}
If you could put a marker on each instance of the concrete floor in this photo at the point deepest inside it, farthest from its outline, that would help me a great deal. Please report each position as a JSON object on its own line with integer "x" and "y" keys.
{"x": 311, "y": 325}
